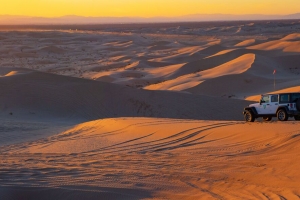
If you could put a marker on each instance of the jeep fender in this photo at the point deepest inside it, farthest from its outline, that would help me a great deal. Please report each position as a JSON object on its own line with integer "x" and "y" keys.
{"x": 283, "y": 107}
{"x": 252, "y": 109}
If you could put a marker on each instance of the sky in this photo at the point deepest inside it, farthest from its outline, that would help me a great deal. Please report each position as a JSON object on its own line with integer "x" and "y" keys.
{"x": 145, "y": 8}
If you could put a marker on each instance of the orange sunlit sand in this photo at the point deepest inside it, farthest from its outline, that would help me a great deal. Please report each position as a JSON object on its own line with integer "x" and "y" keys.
{"x": 146, "y": 111}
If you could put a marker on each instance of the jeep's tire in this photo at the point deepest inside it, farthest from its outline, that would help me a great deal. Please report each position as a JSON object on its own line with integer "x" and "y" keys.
{"x": 298, "y": 104}
{"x": 282, "y": 115}
{"x": 297, "y": 118}
{"x": 249, "y": 116}
{"x": 267, "y": 119}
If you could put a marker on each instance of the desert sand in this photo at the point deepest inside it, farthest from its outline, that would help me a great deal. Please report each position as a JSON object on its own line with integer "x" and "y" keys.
{"x": 147, "y": 111}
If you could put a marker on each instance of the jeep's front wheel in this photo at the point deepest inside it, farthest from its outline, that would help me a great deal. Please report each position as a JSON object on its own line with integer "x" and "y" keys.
{"x": 267, "y": 119}
{"x": 282, "y": 115}
{"x": 249, "y": 117}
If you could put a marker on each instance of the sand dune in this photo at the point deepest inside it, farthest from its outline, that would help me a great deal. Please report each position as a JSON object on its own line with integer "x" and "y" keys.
{"x": 13, "y": 73}
{"x": 163, "y": 71}
{"x": 245, "y": 43}
{"x": 203, "y": 64}
{"x": 142, "y": 158}
{"x": 235, "y": 66}
{"x": 256, "y": 80}
{"x": 221, "y": 53}
{"x": 143, "y": 59}
{"x": 40, "y": 96}
{"x": 294, "y": 36}
{"x": 285, "y": 46}
{"x": 181, "y": 52}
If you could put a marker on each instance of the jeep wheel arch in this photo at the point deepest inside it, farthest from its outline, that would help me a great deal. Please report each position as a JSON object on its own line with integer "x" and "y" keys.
{"x": 253, "y": 110}
{"x": 285, "y": 108}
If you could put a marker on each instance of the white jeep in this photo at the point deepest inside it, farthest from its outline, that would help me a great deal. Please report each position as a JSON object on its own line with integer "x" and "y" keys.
{"x": 282, "y": 106}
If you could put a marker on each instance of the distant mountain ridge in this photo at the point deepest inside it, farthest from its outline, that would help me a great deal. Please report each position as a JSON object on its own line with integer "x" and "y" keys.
{"x": 72, "y": 19}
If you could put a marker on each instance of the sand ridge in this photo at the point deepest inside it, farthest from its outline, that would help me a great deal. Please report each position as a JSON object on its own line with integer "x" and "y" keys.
{"x": 236, "y": 66}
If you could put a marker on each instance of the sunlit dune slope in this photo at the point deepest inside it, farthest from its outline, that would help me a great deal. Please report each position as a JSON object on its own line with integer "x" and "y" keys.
{"x": 285, "y": 46}
{"x": 143, "y": 158}
{"x": 236, "y": 66}
{"x": 291, "y": 37}
{"x": 245, "y": 43}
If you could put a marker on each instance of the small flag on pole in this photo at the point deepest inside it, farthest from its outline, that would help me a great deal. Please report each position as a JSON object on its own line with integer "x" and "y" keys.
{"x": 274, "y": 79}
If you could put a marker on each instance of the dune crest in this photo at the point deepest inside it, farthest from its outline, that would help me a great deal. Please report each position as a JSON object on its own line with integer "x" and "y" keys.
{"x": 236, "y": 66}
{"x": 13, "y": 73}
{"x": 294, "y": 36}
{"x": 285, "y": 46}
{"x": 245, "y": 43}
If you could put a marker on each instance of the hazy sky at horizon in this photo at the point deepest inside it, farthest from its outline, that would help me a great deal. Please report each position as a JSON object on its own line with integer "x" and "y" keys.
{"x": 145, "y": 8}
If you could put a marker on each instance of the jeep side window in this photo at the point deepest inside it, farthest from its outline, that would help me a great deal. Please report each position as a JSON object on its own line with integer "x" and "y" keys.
{"x": 295, "y": 97}
{"x": 274, "y": 98}
{"x": 265, "y": 99}
{"x": 284, "y": 98}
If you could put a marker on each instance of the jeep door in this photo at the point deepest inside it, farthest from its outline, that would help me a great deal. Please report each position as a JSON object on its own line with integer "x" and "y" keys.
{"x": 273, "y": 105}
{"x": 264, "y": 107}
